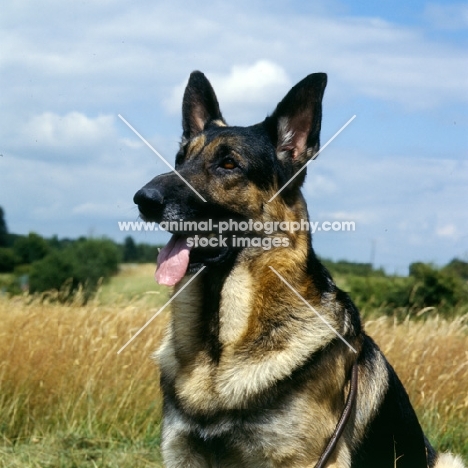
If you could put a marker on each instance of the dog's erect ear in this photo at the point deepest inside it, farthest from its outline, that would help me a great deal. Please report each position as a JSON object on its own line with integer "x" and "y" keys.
{"x": 199, "y": 105}
{"x": 294, "y": 126}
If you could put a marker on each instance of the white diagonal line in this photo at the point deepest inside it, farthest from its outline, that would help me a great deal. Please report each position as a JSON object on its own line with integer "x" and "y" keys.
{"x": 315, "y": 155}
{"x": 160, "y": 310}
{"x": 159, "y": 155}
{"x": 312, "y": 308}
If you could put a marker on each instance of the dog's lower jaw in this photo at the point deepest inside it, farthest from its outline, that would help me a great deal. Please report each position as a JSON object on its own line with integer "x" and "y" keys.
{"x": 199, "y": 260}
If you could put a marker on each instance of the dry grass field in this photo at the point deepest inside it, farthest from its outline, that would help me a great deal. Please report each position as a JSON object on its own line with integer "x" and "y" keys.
{"x": 67, "y": 399}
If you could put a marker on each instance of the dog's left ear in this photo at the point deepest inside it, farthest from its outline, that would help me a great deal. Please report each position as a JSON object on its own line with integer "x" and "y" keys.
{"x": 199, "y": 106}
{"x": 294, "y": 126}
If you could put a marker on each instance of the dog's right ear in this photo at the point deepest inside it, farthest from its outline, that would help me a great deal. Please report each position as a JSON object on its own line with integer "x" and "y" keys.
{"x": 199, "y": 105}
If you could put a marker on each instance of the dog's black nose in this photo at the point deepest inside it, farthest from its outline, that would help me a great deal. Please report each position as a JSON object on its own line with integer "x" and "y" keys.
{"x": 147, "y": 196}
{"x": 150, "y": 203}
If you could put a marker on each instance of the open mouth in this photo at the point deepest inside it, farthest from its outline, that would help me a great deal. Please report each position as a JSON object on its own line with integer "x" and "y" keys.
{"x": 180, "y": 256}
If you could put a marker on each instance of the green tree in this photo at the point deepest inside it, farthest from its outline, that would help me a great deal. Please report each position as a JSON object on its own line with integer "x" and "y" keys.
{"x": 83, "y": 263}
{"x": 8, "y": 260}
{"x": 435, "y": 288}
{"x": 31, "y": 248}
{"x": 130, "y": 251}
{"x": 147, "y": 253}
{"x": 95, "y": 259}
{"x": 52, "y": 272}
{"x": 3, "y": 229}
{"x": 458, "y": 268}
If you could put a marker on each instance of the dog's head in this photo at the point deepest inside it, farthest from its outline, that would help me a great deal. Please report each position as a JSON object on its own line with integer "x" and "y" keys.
{"x": 231, "y": 173}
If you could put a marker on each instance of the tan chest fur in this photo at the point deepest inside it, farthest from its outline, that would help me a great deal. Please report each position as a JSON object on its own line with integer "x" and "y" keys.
{"x": 249, "y": 362}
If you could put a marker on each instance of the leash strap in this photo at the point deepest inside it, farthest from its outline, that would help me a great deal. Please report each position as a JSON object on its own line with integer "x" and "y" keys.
{"x": 343, "y": 420}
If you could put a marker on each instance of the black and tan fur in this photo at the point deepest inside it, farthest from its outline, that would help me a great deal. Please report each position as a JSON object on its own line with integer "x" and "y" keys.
{"x": 251, "y": 377}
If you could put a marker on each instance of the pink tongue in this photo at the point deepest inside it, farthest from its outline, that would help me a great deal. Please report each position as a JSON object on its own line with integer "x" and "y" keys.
{"x": 173, "y": 260}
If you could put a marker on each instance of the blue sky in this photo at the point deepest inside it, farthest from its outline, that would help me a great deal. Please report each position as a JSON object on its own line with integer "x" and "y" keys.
{"x": 70, "y": 167}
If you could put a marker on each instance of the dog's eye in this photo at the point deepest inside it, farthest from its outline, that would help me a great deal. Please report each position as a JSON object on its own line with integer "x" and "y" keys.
{"x": 228, "y": 164}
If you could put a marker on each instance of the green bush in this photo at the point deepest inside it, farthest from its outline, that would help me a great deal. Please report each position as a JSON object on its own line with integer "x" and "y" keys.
{"x": 373, "y": 293}
{"x": 458, "y": 268}
{"x": 95, "y": 259}
{"x": 8, "y": 260}
{"x": 425, "y": 287}
{"x": 52, "y": 272}
{"x": 31, "y": 248}
{"x": 81, "y": 264}
{"x": 436, "y": 288}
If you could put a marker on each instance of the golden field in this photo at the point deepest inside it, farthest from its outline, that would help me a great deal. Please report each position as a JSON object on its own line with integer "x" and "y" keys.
{"x": 67, "y": 399}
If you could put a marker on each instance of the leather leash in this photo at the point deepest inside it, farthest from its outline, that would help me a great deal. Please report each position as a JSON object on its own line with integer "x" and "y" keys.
{"x": 343, "y": 420}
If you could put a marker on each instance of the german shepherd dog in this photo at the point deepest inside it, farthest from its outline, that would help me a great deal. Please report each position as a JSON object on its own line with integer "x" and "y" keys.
{"x": 265, "y": 363}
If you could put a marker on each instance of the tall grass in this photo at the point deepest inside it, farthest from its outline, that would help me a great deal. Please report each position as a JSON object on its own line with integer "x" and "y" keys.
{"x": 431, "y": 359}
{"x": 64, "y": 390}
{"x": 67, "y": 399}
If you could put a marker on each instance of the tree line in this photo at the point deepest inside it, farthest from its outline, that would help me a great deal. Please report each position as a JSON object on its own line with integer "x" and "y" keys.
{"x": 427, "y": 288}
{"x": 38, "y": 264}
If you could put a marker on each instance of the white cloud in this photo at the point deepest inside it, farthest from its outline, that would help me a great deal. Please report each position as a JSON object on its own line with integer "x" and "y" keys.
{"x": 244, "y": 87}
{"x": 319, "y": 184}
{"x": 448, "y": 231}
{"x": 69, "y": 137}
{"x": 134, "y": 54}
{"x": 251, "y": 83}
{"x": 74, "y": 128}
{"x": 363, "y": 56}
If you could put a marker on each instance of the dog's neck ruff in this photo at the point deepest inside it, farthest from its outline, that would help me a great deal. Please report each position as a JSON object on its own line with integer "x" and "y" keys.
{"x": 335, "y": 437}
